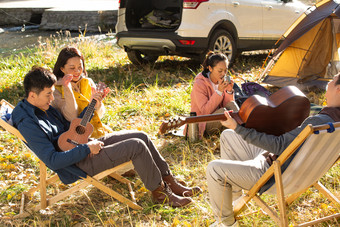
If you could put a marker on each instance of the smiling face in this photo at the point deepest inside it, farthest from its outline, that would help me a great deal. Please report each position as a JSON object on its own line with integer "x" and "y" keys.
{"x": 43, "y": 99}
{"x": 218, "y": 72}
{"x": 73, "y": 66}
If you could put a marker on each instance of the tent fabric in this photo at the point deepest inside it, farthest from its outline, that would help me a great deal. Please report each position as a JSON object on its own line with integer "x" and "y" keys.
{"x": 308, "y": 55}
{"x": 317, "y": 57}
{"x": 308, "y": 20}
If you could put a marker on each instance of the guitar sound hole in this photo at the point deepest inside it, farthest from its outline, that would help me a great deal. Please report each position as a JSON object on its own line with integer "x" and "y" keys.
{"x": 80, "y": 130}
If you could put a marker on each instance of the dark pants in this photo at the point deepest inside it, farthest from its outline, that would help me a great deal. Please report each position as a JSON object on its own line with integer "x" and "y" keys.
{"x": 123, "y": 146}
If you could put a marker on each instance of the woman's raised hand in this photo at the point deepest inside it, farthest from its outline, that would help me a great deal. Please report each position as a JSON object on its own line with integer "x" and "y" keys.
{"x": 100, "y": 93}
{"x": 65, "y": 81}
{"x": 224, "y": 85}
{"x": 106, "y": 91}
{"x": 230, "y": 86}
{"x": 97, "y": 95}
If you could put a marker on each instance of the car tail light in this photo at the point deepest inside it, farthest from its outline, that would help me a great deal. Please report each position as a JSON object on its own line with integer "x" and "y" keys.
{"x": 121, "y": 4}
{"x": 192, "y": 4}
{"x": 187, "y": 42}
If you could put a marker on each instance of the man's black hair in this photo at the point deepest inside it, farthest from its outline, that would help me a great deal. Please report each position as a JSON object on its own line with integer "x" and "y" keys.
{"x": 37, "y": 79}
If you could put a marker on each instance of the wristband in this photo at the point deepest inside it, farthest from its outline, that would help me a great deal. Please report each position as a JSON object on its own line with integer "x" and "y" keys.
{"x": 230, "y": 92}
{"x": 219, "y": 92}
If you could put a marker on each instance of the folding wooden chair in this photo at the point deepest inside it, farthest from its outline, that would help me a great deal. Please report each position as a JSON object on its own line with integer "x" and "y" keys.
{"x": 319, "y": 152}
{"x": 44, "y": 181}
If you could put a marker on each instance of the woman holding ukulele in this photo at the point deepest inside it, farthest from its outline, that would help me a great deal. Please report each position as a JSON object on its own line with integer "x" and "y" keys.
{"x": 74, "y": 90}
{"x": 212, "y": 91}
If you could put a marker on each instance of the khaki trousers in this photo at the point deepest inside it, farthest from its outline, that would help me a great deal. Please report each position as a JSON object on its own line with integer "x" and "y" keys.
{"x": 240, "y": 167}
{"x": 216, "y": 126}
{"x": 123, "y": 146}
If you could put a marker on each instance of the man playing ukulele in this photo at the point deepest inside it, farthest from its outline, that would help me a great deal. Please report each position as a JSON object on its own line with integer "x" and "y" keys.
{"x": 41, "y": 125}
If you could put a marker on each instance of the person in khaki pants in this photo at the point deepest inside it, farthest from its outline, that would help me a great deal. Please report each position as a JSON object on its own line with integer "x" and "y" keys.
{"x": 247, "y": 154}
{"x": 41, "y": 125}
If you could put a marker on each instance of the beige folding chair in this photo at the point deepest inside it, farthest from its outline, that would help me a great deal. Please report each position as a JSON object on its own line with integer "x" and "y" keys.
{"x": 319, "y": 152}
{"x": 44, "y": 181}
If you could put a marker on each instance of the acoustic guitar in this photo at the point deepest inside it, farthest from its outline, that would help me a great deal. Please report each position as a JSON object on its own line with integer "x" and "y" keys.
{"x": 281, "y": 112}
{"x": 80, "y": 128}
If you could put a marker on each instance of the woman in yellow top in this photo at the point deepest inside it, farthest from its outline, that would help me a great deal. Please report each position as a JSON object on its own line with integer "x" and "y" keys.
{"x": 73, "y": 93}
{"x": 74, "y": 89}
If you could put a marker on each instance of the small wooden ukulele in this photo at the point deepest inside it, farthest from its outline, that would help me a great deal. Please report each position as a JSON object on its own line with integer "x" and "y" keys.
{"x": 80, "y": 128}
{"x": 279, "y": 113}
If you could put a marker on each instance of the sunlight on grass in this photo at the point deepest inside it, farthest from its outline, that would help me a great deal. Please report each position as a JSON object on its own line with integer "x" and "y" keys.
{"x": 141, "y": 98}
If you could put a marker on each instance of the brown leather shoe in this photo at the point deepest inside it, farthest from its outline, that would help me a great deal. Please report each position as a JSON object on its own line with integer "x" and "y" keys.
{"x": 180, "y": 189}
{"x": 163, "y": 194}
{"x": 181, "y": 182}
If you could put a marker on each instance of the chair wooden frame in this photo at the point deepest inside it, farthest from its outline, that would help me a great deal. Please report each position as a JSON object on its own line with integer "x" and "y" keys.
{"x": 275, "y": 169}
{"x": 44, "y": 181}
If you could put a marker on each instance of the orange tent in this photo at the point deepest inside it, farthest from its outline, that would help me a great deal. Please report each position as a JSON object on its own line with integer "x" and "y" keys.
{"x": 308, "y": 55}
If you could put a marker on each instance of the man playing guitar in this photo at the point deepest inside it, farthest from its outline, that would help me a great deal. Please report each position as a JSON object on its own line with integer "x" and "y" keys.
{"x": 246, "y": 154}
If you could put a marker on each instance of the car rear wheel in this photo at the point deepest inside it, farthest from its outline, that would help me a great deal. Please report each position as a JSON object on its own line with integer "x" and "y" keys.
{"x": 138, "y": 58}
{"x": 222, "y": 41}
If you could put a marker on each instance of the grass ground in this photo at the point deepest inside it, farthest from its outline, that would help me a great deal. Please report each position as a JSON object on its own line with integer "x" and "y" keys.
{"x": 141, "y": 98}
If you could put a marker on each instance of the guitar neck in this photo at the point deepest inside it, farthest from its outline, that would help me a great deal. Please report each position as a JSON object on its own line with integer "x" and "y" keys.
{"x": 214, "y": 117}
{"x": 175, "y": 123}
{"x": 88, "y": 113}
{"x": 205, "y": 118}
